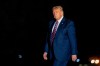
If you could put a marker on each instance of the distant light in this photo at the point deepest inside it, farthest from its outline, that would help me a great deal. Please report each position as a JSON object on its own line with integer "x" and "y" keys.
{"x": 92, "y": 61}
{"x": 97, "y": 61}
{"x": 85, "y": 64}
{"x": 80, "y": 65}
{"x": 19, "y": 56}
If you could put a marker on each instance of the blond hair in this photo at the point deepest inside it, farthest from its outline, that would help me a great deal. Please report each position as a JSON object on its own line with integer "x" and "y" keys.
{"x": 57, "y": 7}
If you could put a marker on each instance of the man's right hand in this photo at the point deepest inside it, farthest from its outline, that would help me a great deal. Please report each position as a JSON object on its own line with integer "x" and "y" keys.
{"x": 45, "y": 56}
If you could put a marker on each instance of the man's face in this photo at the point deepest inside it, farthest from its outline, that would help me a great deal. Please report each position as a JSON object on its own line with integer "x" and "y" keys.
{"x": 57, "y": 13}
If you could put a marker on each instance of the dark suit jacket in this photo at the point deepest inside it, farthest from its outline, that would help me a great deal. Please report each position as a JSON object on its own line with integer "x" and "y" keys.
{"x": 65, "y": 43}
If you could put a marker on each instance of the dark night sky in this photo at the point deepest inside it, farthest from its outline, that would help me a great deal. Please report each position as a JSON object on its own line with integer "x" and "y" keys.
{"x": 23, "y": 26}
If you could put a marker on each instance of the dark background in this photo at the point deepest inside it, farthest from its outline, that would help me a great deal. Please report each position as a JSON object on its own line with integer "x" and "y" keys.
{"x": 23, "y": 26}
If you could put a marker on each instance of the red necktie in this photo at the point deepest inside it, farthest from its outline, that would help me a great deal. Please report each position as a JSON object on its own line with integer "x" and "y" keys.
{"x": 53, "y": 32}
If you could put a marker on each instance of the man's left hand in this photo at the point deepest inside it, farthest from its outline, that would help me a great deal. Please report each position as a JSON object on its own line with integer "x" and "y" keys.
{"x": 74, "y": 57}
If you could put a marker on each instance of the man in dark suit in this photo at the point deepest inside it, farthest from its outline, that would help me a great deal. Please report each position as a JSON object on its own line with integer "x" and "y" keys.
{"x": 61, "y": 41}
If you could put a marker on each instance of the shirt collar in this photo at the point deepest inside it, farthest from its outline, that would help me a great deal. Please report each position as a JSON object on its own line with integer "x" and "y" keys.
{"x": 60, "y": 19}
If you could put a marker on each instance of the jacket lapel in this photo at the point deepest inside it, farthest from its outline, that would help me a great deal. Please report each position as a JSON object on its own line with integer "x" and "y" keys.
{"x": 51, "y": 25}
{"x": 60, "y": 26}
